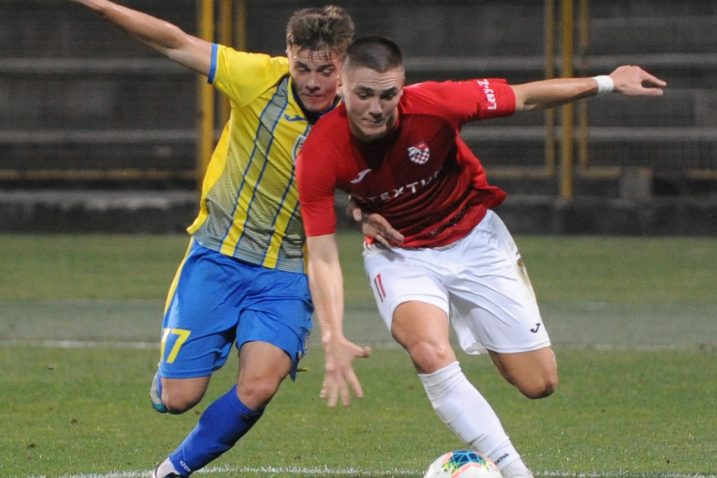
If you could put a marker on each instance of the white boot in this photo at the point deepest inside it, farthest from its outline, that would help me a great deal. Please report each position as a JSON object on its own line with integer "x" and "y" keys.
{"x": 517, "y": 469}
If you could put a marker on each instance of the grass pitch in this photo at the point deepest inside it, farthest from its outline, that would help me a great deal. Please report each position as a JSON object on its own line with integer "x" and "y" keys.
{"x": 634, "y": 324}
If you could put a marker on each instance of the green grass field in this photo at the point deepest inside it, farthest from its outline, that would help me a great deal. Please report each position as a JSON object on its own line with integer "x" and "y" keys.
{"x": 633, "y": 321}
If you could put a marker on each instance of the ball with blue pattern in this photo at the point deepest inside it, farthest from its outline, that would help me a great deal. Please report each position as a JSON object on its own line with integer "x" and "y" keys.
{"x": 463, "y": 464}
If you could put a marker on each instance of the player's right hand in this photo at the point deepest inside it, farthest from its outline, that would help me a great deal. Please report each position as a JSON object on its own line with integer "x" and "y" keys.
{"x": 339, "y": 374}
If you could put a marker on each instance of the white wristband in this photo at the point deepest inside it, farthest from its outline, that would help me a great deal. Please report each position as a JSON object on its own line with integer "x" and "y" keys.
{"x": 604, "y": 84}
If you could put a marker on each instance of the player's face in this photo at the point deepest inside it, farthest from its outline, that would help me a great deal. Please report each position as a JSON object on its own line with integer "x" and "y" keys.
{"x": 371, "y": 100}
{"x": 315, "y": 74}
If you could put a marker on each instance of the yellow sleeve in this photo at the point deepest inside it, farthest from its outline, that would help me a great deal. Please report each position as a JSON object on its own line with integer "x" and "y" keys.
{"x": 243, "y": 76}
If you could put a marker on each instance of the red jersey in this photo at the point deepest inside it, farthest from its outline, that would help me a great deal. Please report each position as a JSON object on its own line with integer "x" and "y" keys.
{"x": 421, "y": 177}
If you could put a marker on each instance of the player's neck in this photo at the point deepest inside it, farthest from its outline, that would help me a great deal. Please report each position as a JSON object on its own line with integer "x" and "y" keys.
{"x": 312, "y": 116}
{"x": 388, "y": 134}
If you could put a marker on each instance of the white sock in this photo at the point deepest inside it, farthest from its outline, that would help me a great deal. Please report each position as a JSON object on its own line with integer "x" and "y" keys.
{"x": 166, "y": 468}
{"x": 461, "y": 406}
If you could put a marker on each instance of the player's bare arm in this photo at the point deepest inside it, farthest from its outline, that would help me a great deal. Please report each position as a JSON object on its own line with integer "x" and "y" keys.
{"x": 326, "y": 282}
{"x": 628, "y": 80}
{"x": 162, "y": 36}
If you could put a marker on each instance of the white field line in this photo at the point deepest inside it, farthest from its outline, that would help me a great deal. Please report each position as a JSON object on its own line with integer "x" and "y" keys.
{"x": 353, "y": 472}
{"x": 80, "y": 344}
{"x": 127, "y": 345}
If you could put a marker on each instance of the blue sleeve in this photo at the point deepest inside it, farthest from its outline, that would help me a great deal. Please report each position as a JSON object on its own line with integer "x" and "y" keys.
{"x": 213, "y": 64}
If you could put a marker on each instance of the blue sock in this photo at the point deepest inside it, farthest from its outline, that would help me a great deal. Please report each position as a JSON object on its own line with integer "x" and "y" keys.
{"x": 221, "y": 425}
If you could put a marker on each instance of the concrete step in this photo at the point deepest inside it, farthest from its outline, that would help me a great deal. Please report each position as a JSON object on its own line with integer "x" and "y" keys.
{"x": 652, "y": 34}
{"x": 422, "y": 27}
{"x": 157, "y": 94}
{"x": 661, "y": 149}
{"x": 680, "y": 70}
{"x": 171, "y": 211}
{"x": 96, "y": 94}
{"x": 111, "y": 158}
{"x": 167, "y": 157}
{"x": 56, "y": 29}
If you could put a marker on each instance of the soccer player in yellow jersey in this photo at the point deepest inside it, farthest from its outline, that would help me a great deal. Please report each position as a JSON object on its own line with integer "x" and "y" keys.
{"x": 242, "y": 280}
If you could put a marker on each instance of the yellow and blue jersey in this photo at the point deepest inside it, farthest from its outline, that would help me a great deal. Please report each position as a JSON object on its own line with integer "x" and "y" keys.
{"x": 249, "y": 205}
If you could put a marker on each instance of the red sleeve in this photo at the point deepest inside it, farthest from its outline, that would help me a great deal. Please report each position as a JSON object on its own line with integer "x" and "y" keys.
{"x": 316, "y": 181}
{"x": 467, "y": 100}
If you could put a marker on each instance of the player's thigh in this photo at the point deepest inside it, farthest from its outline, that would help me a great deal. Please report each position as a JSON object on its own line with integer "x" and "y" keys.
{"x": 278, "y": 313}
{"x": 534, "y": 373}
{"x": 201, "y": 316}
{"x": 422, "y": 329}
{"x": 493, "y": 304}
{"x": 398, "y": 276}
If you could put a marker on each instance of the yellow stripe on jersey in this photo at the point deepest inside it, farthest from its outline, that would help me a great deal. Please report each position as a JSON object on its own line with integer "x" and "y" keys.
{"x": 175, "y": 280}
{"x": 249, "y": 203}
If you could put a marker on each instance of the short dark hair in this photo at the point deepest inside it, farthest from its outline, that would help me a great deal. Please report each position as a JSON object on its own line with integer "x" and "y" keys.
{"x": 375, "y": 52}
{"x": 321, "y": 27}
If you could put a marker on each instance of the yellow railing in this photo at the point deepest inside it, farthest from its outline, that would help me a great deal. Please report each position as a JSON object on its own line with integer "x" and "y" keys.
{"x": 566, "y": 26}
{"x": 231, "y": 31}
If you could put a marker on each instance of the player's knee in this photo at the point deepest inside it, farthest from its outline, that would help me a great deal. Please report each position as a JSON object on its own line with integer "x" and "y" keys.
{"x": 429, "y": 357}
{"x": 179, "y": 401}
{"x": 257, "y": 394}
{"x": 539, "y": 387}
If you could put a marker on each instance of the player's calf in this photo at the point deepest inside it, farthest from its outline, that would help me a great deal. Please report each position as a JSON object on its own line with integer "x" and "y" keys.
{"x": 534, "y": 373}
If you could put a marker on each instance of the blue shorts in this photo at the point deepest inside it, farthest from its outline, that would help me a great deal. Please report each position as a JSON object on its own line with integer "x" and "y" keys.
{"x": 218, "y": 300}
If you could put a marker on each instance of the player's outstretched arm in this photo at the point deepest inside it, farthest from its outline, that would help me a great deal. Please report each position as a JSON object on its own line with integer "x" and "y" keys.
{"x": 326, "y": 282}
{"x": 162, "y": 36}
{"x": 628, "y": 80}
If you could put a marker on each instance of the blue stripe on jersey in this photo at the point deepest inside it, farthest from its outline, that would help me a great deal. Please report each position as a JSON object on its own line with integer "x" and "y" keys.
{"x": 213, "y": 63}
{"x": 281, "y": 89}
{"x": 283, "y": 196}
{"x": 282, "y": 258}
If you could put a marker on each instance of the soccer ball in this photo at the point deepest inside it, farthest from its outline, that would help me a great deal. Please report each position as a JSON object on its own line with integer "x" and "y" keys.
{"x": 463, "y": 464}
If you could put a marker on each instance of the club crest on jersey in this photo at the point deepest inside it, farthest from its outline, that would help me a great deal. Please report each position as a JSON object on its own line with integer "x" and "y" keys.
{"x": 419, "y": 153}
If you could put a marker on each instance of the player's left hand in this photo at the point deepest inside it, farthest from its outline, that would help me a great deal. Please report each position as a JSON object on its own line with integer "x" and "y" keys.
{"x": 339, "y": 374}
{"x": 631, "y": 80}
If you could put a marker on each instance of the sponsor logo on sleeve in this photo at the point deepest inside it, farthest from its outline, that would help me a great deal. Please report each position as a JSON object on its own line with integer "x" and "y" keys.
{"x": 489, "y": 94}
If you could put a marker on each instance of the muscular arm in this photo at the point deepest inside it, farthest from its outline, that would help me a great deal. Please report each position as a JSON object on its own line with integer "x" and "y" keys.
{"x": 629, "y": 80}
{"x": 326, "y": 282}
{"x": 162, "y": 36}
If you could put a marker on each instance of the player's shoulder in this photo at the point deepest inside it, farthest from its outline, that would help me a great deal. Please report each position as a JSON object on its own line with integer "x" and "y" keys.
{"x": 429, "y": 97}
{"x": 250, "y": 61}
{"x": 428, "y": 89}
{"x": 431, "y": 91}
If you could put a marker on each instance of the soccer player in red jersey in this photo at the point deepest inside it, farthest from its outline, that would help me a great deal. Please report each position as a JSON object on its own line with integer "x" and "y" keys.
{"x": 397, "y": 150}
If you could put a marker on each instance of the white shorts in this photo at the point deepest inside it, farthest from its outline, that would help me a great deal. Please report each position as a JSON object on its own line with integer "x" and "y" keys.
{"x": 479, "y": 281}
